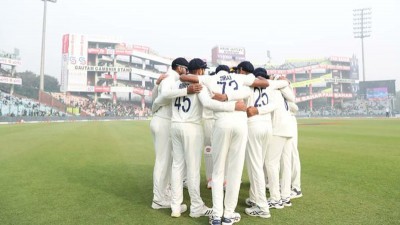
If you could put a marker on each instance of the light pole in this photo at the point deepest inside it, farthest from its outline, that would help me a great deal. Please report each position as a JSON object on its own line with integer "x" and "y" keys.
{"x": 43, "y": 44}
{"x": 362, "y": 28}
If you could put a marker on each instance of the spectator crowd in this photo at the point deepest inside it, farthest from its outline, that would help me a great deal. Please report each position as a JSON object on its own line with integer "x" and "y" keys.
{"x": 17, "y": 106}
{"x": 357, "y": 107}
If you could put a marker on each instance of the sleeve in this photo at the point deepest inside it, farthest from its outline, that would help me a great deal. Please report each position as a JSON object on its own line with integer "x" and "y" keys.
{"x": 189, "y": 78}
{"x": 278, "y": 84}
{"x": 288, "y": 94}
{"x": 270, "y": 107}
{"x": 156, "y": 105}
{"x": 204, "y": 80}
{"x": 167, "y": 90}
{"x": 161, "y": 101}
{"x": 215, "y": 105}
{"x": 241, "y": 93}
{"x": 248, "y": 79}
{"x": 154, "y": 93}
{"x": 293, "y": 107}
{"x": 264, "y": 83}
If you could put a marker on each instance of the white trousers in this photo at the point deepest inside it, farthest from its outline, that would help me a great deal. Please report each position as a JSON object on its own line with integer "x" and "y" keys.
{"x": 187, "y": 142}
{"x": 208, "y": 126}
{"x": 160, "y": 128}
{"x": 229, "y": 146}
{"x": 260, "y": 133}
{"x": 279, "y": 149}
{"x": 296, "y": 167}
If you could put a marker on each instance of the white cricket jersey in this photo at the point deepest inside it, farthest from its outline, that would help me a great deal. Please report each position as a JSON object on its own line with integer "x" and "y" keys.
{"x": 281, "y": 116}
{"x": 230, "y": 84}
{"x": 186, "y": 109}
{"x": 166, "y": 91}
{"x": 288, "y": 95}
{"x": 189, "y": 108}
{"x": 262, "y": 100}
{"x": 208, "y": 114}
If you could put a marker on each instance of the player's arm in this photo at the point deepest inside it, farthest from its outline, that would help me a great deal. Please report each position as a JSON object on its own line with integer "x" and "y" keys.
{"x": 239, "y": 94}
{"x": 218, "y": 106}
{"x": 251, "y": 81}
{"x": 194, "y": 79}
{"x": 168, "y": 92}
{"x": 288, "y": 94}
{"x": 154, "y": 92}
{"x": 189, "y": 78}
{"x": 278, "y": 84}
{"x": 293, "y": 107}
{"x": 158, "y": 103}
{"x": 262, "y": 110}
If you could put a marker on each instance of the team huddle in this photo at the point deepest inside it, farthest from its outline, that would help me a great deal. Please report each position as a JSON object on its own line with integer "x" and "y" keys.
{"x": 233, "y": 115}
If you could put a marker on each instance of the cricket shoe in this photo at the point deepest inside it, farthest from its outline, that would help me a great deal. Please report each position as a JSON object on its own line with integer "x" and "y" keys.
{"x": 205, "y": 211}
{"x": 249, "y": 202}
{"x": 178, "y": 214}
{"x": 161, "y": 204}
{"x": 234, "y": 218}
{"x": 256, "y": 211}
{"x": 275, "y": 204}
{"x": 286, "y": 202}
{"x": 215, "y": 220}
{"x": 295, "y": 194}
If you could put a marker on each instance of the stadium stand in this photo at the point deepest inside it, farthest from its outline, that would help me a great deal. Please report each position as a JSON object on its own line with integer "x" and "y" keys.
{"x": 86, "y": 106}
{"x": 353, "y": 108}
{"x": 18, "y": 106}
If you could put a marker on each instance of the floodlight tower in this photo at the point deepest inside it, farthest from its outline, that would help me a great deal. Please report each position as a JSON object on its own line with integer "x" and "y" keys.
{"x": 43, "y": 44}
{"x": 362, "y": 28}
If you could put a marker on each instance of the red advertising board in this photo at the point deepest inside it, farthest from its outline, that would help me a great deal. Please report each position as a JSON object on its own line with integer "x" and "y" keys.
{"x": 65, "y": 44}
{"x": 102, "y": 89}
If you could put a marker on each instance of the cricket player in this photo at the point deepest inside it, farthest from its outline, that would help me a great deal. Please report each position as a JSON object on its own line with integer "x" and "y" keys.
{"x": 228, "y": 141}
{"x": 187, "y": 141}
{"x": 260, "y": 106}
{"x": 160, "y": 126}
{"x": 295, "y": 159}
{"x": 208, "y": 125}
{"x": 279, "y": 148}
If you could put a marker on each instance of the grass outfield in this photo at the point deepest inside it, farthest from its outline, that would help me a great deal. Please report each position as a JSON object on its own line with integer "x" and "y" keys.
{"x": 101, "y": 173}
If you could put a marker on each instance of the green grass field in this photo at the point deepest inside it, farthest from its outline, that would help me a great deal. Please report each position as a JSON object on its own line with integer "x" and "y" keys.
{"x": 101, "y": 173}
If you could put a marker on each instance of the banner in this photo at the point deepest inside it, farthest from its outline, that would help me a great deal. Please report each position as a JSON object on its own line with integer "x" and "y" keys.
{"x": 339, "y": 59}
{"x": 354, "y": 68}
{"x": 313, "y": 60}
{"x": 10, "y": 61}
{"x": 225, "y": 50}
{"x": 102, "y": 68}
{"x": 339, "y": 80}
{"x": 312, "y": 81}
{"x": 102, "y": 89}
{"x": 101, "y": 51}
{"x": 10, "y": 80}
{"x": 65, "y": 44}
{"x": 308, "y": 68}
{"x": 324, "y": 95}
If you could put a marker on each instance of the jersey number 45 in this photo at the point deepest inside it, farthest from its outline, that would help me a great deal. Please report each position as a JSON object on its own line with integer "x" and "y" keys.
{"x": 180, "y": 103}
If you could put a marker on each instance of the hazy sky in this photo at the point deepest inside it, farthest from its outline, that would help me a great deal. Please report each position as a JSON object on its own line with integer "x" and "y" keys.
{"x": 288, "y": 28}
